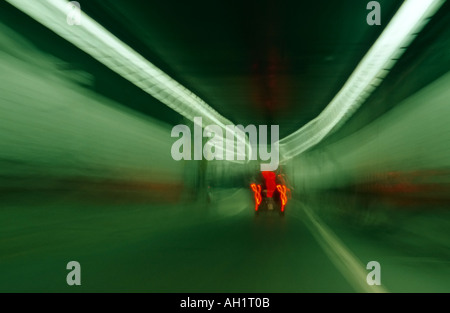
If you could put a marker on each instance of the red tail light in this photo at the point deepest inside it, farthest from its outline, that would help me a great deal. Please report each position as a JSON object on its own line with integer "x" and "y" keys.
{"x": 257, "y": 190}
{"x": 283, "y": 197}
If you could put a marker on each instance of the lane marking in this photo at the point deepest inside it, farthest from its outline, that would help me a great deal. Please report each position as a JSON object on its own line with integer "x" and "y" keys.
{"x": 345, "y": 261}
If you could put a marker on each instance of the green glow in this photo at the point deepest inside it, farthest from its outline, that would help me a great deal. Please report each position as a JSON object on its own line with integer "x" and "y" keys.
{"x": 399, "y": 33}
{"x": 98, "y": 42}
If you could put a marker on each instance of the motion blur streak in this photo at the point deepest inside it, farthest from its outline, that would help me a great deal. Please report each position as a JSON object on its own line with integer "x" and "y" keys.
{"x": 86, "y": 172}
{"x": 415, "y": 135}
{"x": 95, "y": 40}
{"x": 47, "y": 136}
{"x": 402, "y": 29}
{"x": 351, "y": 268}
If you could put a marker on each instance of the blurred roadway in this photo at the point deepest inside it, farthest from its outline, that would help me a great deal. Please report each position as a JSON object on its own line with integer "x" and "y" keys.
{"x": 215, "y": 248}
{"x": 163, "y": 249}
{"x": 86, "y": 171}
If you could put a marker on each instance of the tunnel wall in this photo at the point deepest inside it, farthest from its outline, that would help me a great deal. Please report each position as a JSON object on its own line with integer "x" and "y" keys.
{"x": 54, "y": 131}
{"x": 413, "y": 137}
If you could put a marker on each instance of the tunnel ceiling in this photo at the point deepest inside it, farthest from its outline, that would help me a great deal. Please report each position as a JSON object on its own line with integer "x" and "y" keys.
{"x": 257, "y": 62}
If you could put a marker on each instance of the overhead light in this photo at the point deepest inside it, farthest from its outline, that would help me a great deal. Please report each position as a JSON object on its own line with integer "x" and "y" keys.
{"x": 411, "y": 17}
{"x": 95, "y": 40}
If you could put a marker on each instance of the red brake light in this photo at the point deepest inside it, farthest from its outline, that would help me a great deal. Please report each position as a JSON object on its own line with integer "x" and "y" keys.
{"x": 282, "y": 190}
{"x": 257, "y": 190}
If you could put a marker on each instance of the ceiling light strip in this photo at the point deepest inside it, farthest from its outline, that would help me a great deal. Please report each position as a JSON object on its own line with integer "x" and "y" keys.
{"x": 98, "y": 42}
{"x": 411, "y": 17}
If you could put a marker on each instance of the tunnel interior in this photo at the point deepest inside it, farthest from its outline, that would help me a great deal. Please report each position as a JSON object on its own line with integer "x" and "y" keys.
{"x": 226, "y": 146}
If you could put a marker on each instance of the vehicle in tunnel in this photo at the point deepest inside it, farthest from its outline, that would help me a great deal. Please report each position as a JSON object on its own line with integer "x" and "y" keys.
{"x": 270, "y": 192}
